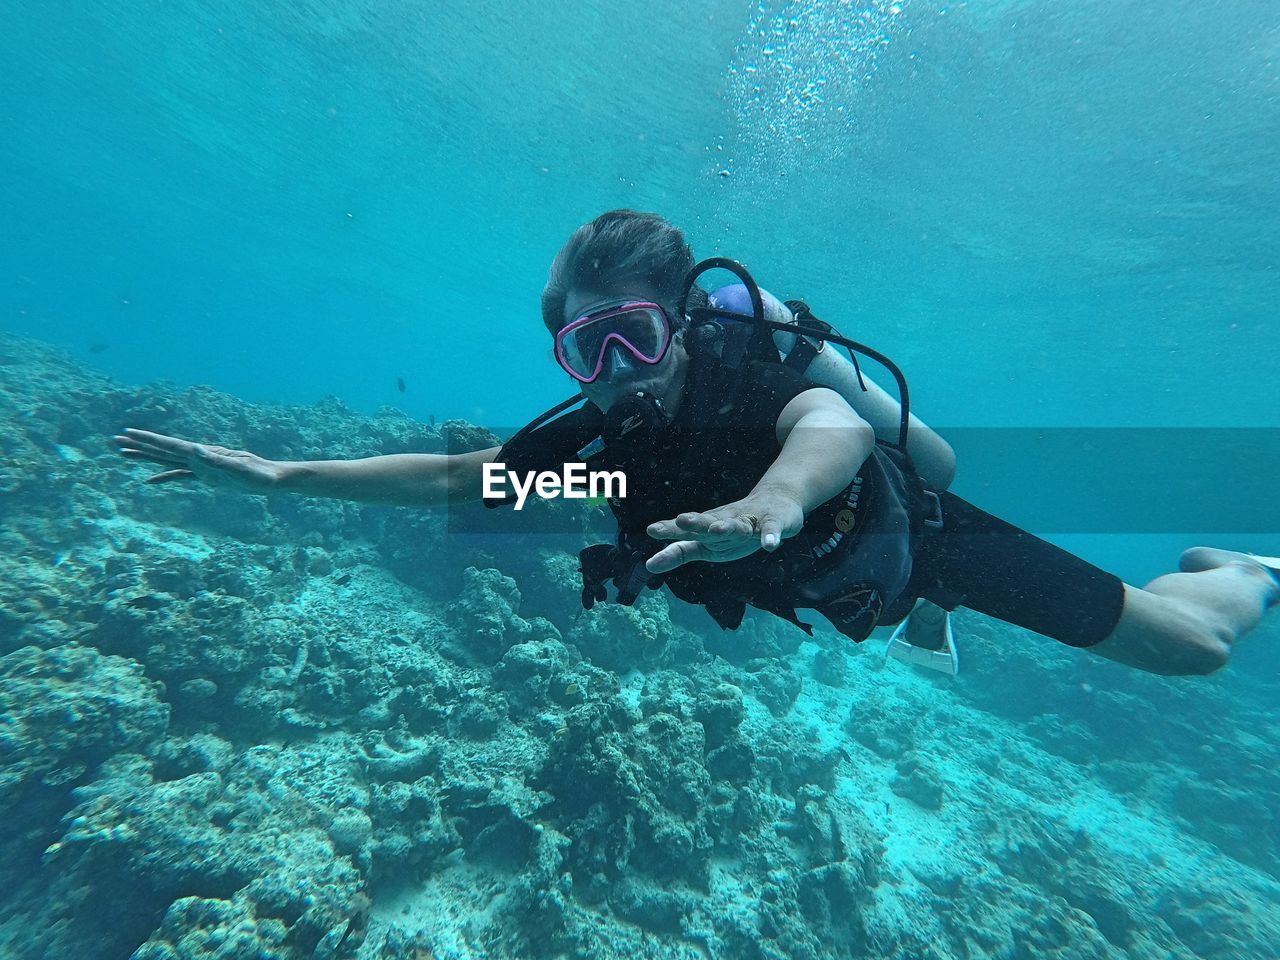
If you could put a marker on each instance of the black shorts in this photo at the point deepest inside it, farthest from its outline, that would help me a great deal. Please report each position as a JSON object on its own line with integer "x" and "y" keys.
{"x": 983, "y": 563}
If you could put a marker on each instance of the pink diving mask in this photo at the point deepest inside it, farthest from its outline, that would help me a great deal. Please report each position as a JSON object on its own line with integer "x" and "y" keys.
{"x": 640, "y": 327}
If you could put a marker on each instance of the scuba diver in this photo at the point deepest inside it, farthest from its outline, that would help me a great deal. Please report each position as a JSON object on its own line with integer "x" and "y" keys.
{"x": 751, "y": 484}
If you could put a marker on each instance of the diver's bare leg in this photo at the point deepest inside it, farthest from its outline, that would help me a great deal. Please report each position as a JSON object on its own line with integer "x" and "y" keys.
{"x": 1186, "y": 623}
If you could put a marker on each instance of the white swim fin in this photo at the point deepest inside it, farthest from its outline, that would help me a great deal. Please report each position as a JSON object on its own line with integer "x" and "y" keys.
{"x": 942, "y": 658}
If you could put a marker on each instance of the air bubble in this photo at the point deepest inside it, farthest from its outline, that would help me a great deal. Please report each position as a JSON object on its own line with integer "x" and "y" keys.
{"x": 798, "y": 65}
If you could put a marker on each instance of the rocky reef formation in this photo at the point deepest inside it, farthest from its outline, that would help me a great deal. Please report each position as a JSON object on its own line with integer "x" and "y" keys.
{"x": 246, "y": 727}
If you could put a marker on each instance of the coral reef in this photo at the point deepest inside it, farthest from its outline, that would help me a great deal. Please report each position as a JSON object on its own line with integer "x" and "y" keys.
{"x": 236, "y": 726}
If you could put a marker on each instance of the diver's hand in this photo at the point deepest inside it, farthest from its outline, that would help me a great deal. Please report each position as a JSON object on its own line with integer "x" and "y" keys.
{"x": 186, "y": 459}
{"x": 762, "y": 520}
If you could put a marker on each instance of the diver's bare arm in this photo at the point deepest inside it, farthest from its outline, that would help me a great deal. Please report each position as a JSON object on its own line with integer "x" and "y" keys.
{"x": 410, "y": 479}
{"x": 420, "y": 479}
{"x": 823, "y": 444}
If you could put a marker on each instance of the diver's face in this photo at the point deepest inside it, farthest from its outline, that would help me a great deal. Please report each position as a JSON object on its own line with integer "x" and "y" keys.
{"x": 623, "y": 373}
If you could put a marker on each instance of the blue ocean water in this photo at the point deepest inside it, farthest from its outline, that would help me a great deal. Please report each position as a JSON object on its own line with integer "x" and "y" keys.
{"x": 1050, "y": 214}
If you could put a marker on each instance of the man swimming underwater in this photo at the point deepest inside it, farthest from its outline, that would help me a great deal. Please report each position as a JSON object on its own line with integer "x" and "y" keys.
{"x": 750, "y": 485}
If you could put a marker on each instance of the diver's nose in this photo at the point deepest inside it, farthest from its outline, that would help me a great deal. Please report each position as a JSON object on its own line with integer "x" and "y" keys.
{"x": 619, "y": 362}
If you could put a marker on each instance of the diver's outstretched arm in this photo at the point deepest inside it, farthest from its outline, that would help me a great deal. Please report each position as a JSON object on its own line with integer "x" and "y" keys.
{"x": 823, "y": 444}
{"x": 411, "y": 479}
{"x": 408, "y": 479}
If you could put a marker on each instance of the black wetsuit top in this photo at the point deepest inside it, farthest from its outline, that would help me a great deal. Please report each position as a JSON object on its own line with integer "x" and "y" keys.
{"x": 716, "y": 448}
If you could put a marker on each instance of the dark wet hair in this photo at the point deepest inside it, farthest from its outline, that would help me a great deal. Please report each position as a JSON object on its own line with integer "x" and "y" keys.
{"x": 613, "y": 248}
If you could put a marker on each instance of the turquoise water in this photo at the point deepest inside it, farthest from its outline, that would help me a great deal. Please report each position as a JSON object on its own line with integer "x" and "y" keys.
{"x": 1059, "y": 215}
{"x": 1050, "y": 214}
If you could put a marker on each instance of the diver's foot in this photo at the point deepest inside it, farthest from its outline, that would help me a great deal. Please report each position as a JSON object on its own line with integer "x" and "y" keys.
{"x": 925, "y": 639}
{"x": 1199, "y": 559}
